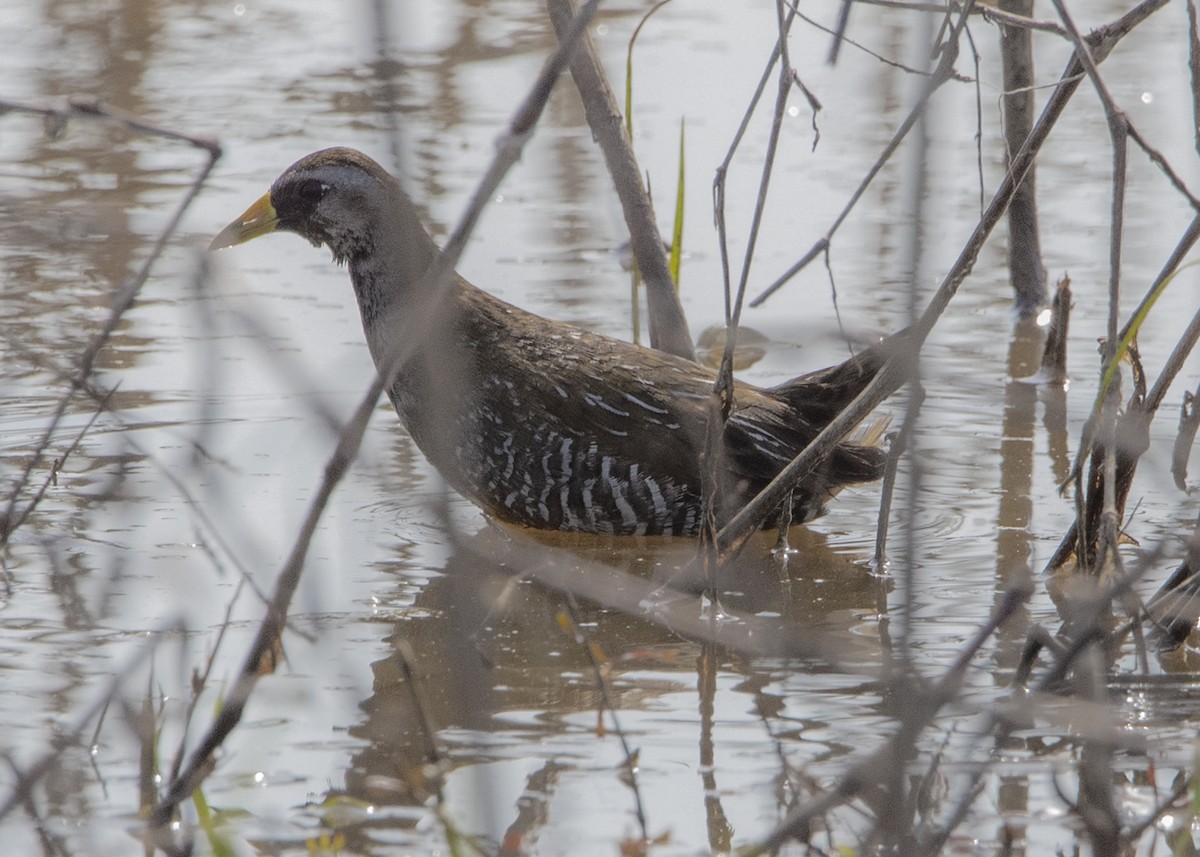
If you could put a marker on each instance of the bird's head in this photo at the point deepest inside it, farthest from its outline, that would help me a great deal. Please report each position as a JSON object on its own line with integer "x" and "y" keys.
{"x": 333, "y": 197}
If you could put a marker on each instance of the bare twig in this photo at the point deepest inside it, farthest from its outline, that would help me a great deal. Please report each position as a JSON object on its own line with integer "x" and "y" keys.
{"x": 783, "y": 88}
{"x": 1015, "y": 20}
{"x": 722, "y": 172}
{"x": 1102, "y": 41}
{"x": 942, "y": 73}
{"x": 842, "y": 38}
{"x": 1054, "y": 353}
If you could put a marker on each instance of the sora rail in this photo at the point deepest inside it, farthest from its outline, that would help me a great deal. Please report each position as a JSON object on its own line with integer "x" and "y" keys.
{"x": 538, "y": 422}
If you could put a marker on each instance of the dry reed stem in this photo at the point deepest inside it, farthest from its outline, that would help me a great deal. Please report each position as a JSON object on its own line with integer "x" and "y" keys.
{"x": 1185, "y": 438}
{"x": 1027, "y": 272}
{"x": 668, "y": 326}
{"x": 1138, "y": 417}
{"x": 899, "y": 445}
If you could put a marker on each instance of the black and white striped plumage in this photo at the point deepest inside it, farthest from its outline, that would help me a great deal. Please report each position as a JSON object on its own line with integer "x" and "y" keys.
{"x": 538, "y": 422}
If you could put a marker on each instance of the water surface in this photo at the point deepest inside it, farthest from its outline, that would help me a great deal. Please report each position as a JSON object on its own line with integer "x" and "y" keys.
{"x": 186, "y": 494}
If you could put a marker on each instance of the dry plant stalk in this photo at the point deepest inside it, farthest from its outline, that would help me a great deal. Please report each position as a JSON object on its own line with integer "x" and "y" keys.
{"x": 668, "y": 326}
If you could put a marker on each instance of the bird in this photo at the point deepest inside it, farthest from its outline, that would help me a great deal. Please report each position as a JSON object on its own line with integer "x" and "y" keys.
{"x": 541, "y": 423}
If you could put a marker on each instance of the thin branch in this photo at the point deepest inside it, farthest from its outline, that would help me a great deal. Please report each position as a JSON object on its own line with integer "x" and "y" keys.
{"x": 735, "y": 533}
{"x": 942, "y": 73}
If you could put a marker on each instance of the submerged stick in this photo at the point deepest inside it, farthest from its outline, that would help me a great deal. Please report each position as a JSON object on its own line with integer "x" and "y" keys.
{"x": 1054, "y": 353}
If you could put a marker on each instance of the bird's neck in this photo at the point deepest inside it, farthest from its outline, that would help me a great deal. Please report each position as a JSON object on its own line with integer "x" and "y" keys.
{"x": 388, "y": 278}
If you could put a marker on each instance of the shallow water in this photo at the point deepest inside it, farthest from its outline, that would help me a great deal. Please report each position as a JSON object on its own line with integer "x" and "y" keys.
{"x": 229, "y": 392}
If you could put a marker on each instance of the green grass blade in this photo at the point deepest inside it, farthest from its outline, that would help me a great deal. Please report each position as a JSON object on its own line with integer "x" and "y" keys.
{"x": 1135, "y": 325}
{"x": 209, "y": 823}
{"x": 677, "y": 232}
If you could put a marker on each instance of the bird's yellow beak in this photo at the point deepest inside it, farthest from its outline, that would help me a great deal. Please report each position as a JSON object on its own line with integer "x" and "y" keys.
{"x": 258, "y": 219}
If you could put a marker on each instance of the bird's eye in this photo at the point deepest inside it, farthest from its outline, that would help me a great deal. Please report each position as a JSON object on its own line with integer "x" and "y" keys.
{"x": 311, "y": 191}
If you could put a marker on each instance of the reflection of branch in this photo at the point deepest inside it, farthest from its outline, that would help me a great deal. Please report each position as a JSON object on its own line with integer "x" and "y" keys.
{"x": 125, "y": 296}
{"x": 1092, "y": 721}
{"x": 592, "y": 653}
{"x": 67, "y": 737}
{"x": 921, "y": 705}
{"x": 405, "y": 658}
{"x": 532, "y": 811}
{"x": 720, "y": 831}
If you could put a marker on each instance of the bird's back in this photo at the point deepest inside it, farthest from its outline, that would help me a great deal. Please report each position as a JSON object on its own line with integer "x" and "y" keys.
{"x": 551, "y": 426}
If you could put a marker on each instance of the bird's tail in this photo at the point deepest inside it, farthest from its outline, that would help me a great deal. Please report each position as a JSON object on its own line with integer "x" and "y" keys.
{"x": 862, "y": 457}
{"x": 820, "y": 396}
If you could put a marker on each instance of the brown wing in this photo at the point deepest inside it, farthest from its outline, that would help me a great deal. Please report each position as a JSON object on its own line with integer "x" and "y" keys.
{"x": 584, "y": 431}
